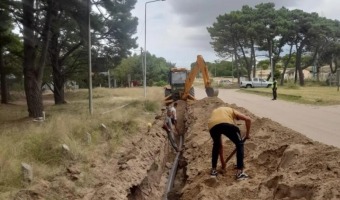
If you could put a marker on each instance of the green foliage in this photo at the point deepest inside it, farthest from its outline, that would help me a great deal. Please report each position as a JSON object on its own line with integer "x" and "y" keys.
{"x": 113, "y": 35}
{"x": 156, "y": 71}
{"x": 99, "y": 80}
{"x": 312, "y": 82}
{"x": 263, "y": 64}
{"x": 277, "y": 74}
{"x": 270, "y": 29}
{"x": 44, "y": 148}
{"x": 221, "y": 68}
{"x": 161, "y": 83}
{"x": 151, "y": 106}
{"x": 292, "y": 85}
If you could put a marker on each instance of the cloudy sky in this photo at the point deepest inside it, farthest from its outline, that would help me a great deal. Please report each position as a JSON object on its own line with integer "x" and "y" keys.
{"x": 177, "y": 29}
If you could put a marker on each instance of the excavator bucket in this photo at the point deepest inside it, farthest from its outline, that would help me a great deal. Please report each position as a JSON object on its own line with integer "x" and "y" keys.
{"x": 211, "y": 92}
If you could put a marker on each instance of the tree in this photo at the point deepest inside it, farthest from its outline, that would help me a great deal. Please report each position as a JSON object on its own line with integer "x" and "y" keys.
{"x": 65, "y": 40}
{"x": 36, "y": 34}
{"x": 326, "y": 47}
{"x": 112, "y": 37}
{"x": 5, "y": 40}
{"x": 220, "y": 68}
{"x": 249, "y": 31}
{"x": 157, "y": 70}
{"x": 238, "y": 33}
{"x": 224, "y": 34}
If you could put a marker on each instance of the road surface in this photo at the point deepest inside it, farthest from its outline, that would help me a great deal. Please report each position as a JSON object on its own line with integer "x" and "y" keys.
{"x": 320, "y": 123}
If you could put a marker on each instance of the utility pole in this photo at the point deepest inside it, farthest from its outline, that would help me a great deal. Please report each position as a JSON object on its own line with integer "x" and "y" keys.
{"x": 89, "y": 55}
{"x": 232, "y": 67}
{"x": 144, "y": 81}
{"x": 142, "y": 61}
{"x": 108, "y": 77}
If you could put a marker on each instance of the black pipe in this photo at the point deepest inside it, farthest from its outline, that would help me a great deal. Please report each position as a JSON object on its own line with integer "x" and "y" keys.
{"x": 173, "y": 170}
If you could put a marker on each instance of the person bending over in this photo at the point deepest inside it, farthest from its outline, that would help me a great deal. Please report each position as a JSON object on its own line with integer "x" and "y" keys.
{"x": 222, "y": 121}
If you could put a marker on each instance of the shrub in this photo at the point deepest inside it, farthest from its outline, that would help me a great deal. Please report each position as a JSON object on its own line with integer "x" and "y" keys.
{"x": 151, "y": 106}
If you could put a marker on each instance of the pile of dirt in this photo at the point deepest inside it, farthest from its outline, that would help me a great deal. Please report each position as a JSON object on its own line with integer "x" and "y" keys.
{"x": 281, "y": 163}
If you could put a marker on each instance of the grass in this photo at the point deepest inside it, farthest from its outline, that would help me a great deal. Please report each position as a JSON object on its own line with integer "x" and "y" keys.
{"x": 124, "y": 111}
{"x": 314, "y": 95}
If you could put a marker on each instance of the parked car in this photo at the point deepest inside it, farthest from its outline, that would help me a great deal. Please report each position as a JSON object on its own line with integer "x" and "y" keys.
{"x": 224, "y": 82}
{"x": 256, "y": 82}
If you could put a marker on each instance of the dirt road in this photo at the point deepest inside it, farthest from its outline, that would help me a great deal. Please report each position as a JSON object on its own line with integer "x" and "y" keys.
{"x": 320, "y": 123}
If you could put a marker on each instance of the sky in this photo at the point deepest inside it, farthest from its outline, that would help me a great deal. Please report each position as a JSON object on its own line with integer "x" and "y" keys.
{"x": 177, "y": 29}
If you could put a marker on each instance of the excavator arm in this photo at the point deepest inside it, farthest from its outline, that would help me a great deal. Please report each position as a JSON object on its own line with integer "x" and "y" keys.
{"x": 200, "y": 66}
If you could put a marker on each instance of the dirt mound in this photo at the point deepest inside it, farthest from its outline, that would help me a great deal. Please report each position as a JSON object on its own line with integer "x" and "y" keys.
{"x": 282, "y": 163}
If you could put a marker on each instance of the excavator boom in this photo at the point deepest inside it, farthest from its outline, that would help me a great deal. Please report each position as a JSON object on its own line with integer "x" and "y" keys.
{"x": 200, "y": 66}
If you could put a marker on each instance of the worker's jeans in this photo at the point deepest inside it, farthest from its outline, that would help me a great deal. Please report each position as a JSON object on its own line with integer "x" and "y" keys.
{"x": 233, "y": 133}
{"x": 172, "y": 140}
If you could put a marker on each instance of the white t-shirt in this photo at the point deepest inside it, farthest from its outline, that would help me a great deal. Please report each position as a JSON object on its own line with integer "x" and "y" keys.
{"x": 174, "y": 115}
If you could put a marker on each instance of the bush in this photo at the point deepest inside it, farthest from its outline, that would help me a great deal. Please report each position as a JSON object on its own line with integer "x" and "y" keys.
{"x": 311, "y": 82}
{"x": 151, "y": 106}
{"x": 44, "y": 148}
{"x": 161, "y": 83}
{"x": 292, "y": 85}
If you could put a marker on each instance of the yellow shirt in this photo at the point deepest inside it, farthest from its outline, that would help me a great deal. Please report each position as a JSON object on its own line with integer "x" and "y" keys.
{"x": 222, "y": 115}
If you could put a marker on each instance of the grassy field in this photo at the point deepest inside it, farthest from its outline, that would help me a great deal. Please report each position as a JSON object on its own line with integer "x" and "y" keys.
{"x": 122, "y": 111}
{"x": 315, "y": 95}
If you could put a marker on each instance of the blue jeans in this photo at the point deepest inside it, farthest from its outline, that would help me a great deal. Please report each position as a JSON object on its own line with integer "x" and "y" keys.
{"x": 233, "y": 133}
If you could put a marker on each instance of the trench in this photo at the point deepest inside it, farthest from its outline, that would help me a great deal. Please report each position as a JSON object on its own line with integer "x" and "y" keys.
{"x": 177, "y": 175}
{"x": 166, "y": 176}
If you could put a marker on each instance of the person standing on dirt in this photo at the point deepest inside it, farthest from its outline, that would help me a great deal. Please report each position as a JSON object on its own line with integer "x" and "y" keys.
{"x": 222, "y": 121}
{"x": 274, "y": 88}
{"x": 168, "y": 127}
{"x": 174, "y": 115}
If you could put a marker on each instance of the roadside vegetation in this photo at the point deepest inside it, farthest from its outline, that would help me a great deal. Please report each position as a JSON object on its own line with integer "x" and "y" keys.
{"x": 312, "y": 93}
{"x": 123, "y": 111}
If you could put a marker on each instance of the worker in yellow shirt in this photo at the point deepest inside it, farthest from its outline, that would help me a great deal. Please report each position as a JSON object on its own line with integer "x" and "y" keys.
{"x": 222, "y": 121}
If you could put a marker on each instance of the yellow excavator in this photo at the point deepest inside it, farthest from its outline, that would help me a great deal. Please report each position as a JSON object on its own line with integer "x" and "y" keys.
{"x": 181, "y": 82}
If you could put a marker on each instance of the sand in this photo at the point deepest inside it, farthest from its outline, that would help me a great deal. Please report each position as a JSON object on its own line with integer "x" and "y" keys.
{"x": 281, "y": 163}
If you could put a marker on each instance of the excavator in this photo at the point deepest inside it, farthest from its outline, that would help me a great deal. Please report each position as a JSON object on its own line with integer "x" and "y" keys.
{"x": 181, "y": 83}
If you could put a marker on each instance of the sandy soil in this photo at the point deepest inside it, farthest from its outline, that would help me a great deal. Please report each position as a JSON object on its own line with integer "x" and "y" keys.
{"x": 282, "y": 163}
{"x": 320, "y": 123}
{"x": 137, "y": 170}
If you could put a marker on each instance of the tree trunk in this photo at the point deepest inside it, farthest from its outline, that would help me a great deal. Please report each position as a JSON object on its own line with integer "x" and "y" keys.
{"x": 333, "y": 60}
{"x": 33, "y": 73}
{"x": 33, "y": 94}
{"x": 298, "y": 66}
{"x": 270, "y": 53}
{"x": 248, "y": 64}
{"x": 32, "y": 87}
{"x": 58, "y": 75}
{"x": 286, "y": 65}
{"x": 59, "y": 92}
{"x": 4, "y": 91}
{"x": 253, "y": 59}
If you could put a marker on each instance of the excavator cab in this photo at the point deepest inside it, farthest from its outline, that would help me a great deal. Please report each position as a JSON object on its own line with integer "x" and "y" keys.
{"x": 177, "y": 78}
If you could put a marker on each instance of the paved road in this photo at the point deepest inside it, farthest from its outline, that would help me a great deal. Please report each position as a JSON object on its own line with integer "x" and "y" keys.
{"x": 320, "y": 123}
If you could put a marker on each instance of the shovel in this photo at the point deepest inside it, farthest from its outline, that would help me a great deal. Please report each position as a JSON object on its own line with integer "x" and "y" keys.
{"x": 230, "y": 156}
